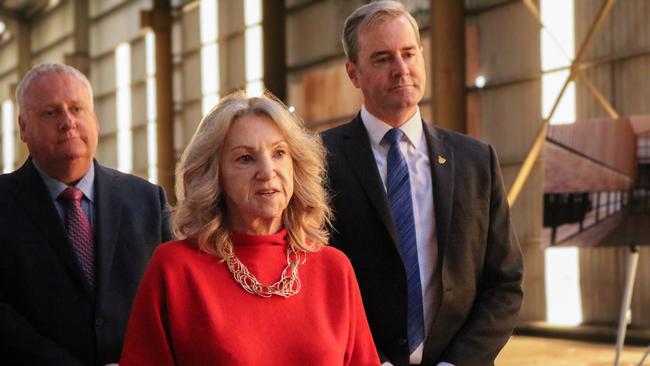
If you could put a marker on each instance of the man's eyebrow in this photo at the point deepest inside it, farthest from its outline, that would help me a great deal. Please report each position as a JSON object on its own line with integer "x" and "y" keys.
{"x": 387, "y": 52}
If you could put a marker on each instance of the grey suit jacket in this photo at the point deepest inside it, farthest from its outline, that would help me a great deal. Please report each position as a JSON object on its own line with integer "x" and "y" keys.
{"x": 480, "y": 268}
{"x": 48, "y": 313}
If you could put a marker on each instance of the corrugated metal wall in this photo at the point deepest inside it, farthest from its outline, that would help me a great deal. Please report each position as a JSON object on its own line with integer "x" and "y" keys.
{"x": 507, "y": 113}
{"x": 619, "y": 60}
{"x": 318, "y": 85}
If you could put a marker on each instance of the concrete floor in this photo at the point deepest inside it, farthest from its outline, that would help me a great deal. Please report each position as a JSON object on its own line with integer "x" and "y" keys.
{"x": 533, "y": 351}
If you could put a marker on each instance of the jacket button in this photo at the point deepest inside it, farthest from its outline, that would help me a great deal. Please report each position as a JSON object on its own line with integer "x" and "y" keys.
{"x": 401, "y": 341}
{"x": 99, "y": 322}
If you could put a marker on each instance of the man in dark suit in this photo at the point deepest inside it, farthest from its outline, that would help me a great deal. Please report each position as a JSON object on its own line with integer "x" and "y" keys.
{"x": 75, "y": 237}
{"x": 420, "y": 211}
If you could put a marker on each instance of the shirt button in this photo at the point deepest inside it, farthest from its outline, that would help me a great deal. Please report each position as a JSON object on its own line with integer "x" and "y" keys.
{"x": 401, "y": 341}
{"x": 99, "y": 322}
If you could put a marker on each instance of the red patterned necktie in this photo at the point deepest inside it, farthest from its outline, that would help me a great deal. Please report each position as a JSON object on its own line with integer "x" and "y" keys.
{"x": 79, "y": 231}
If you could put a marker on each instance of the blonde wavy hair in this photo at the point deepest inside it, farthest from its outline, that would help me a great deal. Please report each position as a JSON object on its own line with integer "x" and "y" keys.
{"x": 201, "y": 214}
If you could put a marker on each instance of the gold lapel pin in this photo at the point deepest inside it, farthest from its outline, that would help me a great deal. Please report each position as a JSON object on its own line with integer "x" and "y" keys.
{"x": 441, "y": 160}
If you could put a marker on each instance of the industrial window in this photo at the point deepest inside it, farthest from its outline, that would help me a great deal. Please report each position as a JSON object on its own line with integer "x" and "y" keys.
{"x": 231, "y": 49}
{"x": 254, "y": 59}
{"x": 562, "y": 265}
{"x": 152, "y": 146}
{"x": 8, "y": 136}
{"x": 210, "y": 81}
{"x": 123, "y": 107}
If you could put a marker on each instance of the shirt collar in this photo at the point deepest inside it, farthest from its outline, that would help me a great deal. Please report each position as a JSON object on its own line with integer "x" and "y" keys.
{"x": 55, "y": 187}
{"x": 377, "y": 128}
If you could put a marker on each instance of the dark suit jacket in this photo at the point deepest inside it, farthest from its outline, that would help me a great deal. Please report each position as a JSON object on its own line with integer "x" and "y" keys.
{"x": 480, "y": 265}
{"x": 48, "y": 314}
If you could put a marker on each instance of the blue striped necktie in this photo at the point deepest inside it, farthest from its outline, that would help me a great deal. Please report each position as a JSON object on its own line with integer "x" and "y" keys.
{"x": 398, "y": 187}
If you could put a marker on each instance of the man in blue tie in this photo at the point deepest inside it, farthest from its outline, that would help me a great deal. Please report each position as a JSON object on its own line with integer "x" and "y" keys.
{"x": 420, "y": 211}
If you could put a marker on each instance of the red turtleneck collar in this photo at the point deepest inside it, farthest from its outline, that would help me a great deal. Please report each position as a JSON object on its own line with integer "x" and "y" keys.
{"x": 279, "y": 238}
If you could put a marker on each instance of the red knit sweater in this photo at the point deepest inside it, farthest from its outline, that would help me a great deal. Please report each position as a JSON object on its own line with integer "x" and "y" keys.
{"x": 190, "y": 311}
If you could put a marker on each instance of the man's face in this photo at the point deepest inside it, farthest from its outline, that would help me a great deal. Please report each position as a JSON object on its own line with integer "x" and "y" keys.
{"x": 58, "y": 123}
{"x": 389, "y": 70}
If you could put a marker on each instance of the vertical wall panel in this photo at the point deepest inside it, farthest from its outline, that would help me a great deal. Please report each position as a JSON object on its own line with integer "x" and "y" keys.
{"x": 105, "y": 109}
{"x": 509, "y": 116}
{"x": 622, "y": 74}
{"x": 9, "y": 59}
{"x": 192, "y": 78}
{"x": 586, "y": 105}
{"x": 140, "y": 163}
{"x": 116, "y": 26}
{"x": 188, "y": 81}
{"x": 632, "y": 85}
{"x": 53, "y": 26}
{"x": 55, "y": 53}
{"x": 139, "y": 105}
{"x": 232, "y": 63}
{"x": 509, "y": 43}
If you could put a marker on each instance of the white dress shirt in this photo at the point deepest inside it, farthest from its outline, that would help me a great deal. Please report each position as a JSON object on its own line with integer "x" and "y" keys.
{"x": 414, "y": 148}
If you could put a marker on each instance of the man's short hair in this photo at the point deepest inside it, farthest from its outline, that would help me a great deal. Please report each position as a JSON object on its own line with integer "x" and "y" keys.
{"x": 47, "y": 69}
{"x": 369, "y": 14}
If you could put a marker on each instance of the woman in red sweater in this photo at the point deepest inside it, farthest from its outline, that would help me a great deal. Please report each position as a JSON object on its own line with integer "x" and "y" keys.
{"x": 251, "y": 282}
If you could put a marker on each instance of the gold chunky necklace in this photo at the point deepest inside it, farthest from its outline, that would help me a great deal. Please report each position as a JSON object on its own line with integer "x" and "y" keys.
{"x": 287, "y": 286}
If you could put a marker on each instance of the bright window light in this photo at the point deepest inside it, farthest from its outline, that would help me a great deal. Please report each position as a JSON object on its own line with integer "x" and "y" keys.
{"x": 8, "y": 147}
{"x": 152, "y": 143}
{"x": 210, "y": 81}
{"x": 254, "y": 51}
{"x": 209, "y": 18}
{"x": 254, "y": 68}
{"x": 557, "y": 50}
{"x": 152, "y": 112}
{"x": 557, "y": 41}
{"x": 123, "y": 102}
{"x": 562, "y": 272}
{"x": 551, "y": 85}
{"x": 152, "y": 152}
{"x": 255, "y": 88}
{"x": 210, "y": 69}
{"x": 252, "y": 12}
{"x": 150, "y": 53}
{"x": 562, "y": 265}
{"x": 208, "y": 102}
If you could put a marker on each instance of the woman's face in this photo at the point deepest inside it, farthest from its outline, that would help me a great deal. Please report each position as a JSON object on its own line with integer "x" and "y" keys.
{"x": 256, "y": 175}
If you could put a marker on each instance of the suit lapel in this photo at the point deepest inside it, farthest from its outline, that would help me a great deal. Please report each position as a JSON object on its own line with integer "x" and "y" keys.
{"x": 358, "y": 152}
{"x": 108, "y": 208}
{"x": 33, "y": 196}
{"x": 441, "y": 158}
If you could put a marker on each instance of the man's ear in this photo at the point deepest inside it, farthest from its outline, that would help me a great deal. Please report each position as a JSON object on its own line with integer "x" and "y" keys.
{"x": 21, "y": 125}
{"x": 353, "y": 73}
{"x": 96, "y": 121}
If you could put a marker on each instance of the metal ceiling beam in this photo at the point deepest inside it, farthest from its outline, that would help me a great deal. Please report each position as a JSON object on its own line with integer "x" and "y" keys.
{"x": 536, "y": 146}
{"x": 8, "y": 13}
{"x": 599, "y": 96}
{"x": 592, "y": 88}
